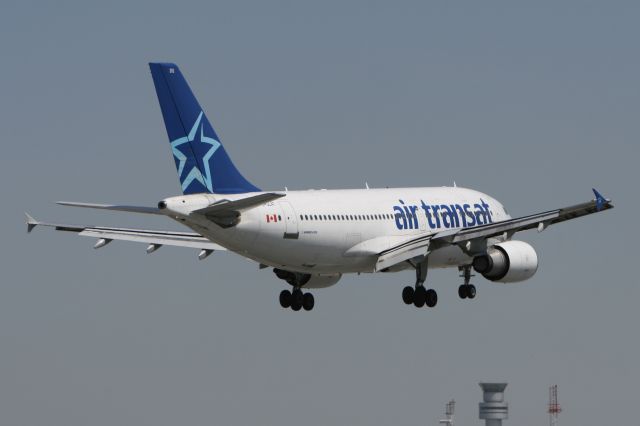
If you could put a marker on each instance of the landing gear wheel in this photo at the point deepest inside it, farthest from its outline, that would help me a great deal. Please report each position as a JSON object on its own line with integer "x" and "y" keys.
{"x": 407, "y": 295}
{"x": 285, "y": 299}
{"x": 419, "y": 297}
{"x": 308, "y": 301}
{"x": 462, "y": 291}
{"x": 466, "y": 290}
{"x": 431, "y": 298}
{"x": 471, "y": 291}
{"x": 296, "y": 300}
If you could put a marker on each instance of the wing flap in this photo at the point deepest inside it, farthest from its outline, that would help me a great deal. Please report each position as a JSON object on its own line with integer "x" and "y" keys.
{"x": 403, "y": 252}
{"x": 152, "y": 238}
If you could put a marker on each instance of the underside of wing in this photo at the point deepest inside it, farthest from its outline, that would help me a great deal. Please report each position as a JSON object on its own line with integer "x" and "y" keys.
{"x": 472, "y": 240}
{"x": 408, "y": 250}
{"x": 507, "y": 228}
{"x": 155, "y": 239}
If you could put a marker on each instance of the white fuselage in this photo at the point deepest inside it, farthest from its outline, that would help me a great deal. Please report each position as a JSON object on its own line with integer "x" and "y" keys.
{"x": 341, "y": 231}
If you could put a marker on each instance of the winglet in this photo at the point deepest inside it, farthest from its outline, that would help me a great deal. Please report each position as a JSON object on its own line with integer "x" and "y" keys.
{"x": 31, "y": 222}
{"x": 600, "y": 200}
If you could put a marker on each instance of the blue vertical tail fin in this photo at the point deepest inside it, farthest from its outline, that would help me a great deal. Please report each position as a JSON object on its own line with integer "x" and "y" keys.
{"x": 202, "y": 162}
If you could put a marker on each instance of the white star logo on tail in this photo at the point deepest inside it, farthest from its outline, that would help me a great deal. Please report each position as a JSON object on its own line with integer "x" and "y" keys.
{"x": 195, "y": 173}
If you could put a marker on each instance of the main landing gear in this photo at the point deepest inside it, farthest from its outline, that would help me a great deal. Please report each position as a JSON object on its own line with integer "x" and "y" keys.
{"x": 419, "y": 296}
{"x": 466, "y": 290}
{"x": 296, "y": 300}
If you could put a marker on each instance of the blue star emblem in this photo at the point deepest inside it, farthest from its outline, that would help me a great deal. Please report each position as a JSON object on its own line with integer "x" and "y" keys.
{"x": 195, "y": 173}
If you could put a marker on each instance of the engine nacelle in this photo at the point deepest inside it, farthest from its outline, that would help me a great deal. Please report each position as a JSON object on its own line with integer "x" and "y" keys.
{"x": 299, "y": 279}
{"x": 507, "y": 262}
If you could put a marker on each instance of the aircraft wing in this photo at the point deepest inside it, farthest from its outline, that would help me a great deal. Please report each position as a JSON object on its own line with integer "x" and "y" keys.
{"x": 465, "y": 237}
{"x": 155, "y": 239}
{"x": 414, "y": 248}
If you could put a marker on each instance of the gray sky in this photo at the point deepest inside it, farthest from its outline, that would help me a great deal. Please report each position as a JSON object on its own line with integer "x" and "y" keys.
{"x": 534, "y": 104}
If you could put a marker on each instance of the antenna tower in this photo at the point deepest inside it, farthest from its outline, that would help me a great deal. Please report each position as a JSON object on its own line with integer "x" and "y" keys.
{"x": 554, "y": 407}
{"x": 451, "y": 407}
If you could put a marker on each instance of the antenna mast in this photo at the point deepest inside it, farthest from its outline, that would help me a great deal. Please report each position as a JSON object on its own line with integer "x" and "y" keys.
{"x": 554, "y": 407}
{"x": 451, "y": 407}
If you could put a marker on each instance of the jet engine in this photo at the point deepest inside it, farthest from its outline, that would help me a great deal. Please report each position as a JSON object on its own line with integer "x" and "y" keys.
{"x": 507, "y": 262}
{"x": 299, "y": 279}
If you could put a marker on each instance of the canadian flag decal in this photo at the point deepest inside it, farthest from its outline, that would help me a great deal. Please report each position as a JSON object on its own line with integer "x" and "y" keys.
{"x": 272, "y": 218}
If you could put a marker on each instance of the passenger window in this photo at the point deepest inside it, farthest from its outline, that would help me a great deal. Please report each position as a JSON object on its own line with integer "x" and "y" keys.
{"x": 279, "y": 218}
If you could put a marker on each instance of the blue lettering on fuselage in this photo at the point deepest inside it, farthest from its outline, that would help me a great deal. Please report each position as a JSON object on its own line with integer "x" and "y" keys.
{"x": 442, "y": 215}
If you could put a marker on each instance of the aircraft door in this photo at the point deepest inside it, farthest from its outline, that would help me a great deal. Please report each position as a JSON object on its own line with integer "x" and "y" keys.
{"x": 290, "y": 220}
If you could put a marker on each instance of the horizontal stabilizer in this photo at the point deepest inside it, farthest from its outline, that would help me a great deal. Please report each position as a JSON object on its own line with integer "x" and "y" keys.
{"x": 114, "y": 207}
{"x": 31, "y": 222}
{"x": 224, "y": 207}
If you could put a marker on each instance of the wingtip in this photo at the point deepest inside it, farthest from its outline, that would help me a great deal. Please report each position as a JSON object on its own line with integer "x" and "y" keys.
{"x": 31, "y": 222}
{"x": 601, "y": 201}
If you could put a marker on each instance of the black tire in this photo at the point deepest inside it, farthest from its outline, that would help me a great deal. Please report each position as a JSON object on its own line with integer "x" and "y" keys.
{"x": 407, "y": 295}
{"x": 471, "y": 291}
{"x": 296, "y": 300}
{"x": 462, "y": 291}
{"x": 419, "y": 297}
{"x": 308, "y": 301}
{"x": 285, "y": 299}
{"x": 431, "y": 298}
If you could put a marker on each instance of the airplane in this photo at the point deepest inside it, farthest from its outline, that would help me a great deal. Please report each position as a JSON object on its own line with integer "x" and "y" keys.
{"x": 311, "y": 238}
